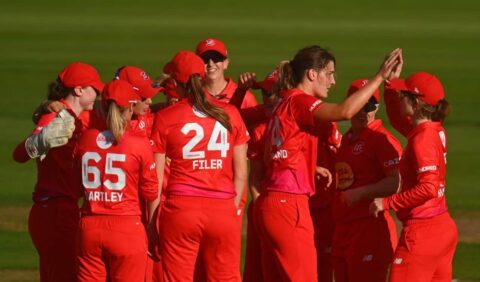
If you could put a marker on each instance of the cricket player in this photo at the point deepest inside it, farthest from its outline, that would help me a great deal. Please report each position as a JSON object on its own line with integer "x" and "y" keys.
{"x": 53, "y": 219}
{"x": 206, "y": 142}
{"x": 367, "y": 167}
{"x": 429, "y": 235}
{"x": 283, "y": 216}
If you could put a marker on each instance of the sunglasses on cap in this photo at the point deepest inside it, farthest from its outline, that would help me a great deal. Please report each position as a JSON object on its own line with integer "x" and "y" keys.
{"x": 212, "y": 55}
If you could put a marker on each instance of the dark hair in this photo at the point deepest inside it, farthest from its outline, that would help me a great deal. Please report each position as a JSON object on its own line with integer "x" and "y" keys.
{"x": 57, "y": 91}
{"x": 194, "y": 89}
{"x": 290, "y": 73}
{"x": 438, "y": 112}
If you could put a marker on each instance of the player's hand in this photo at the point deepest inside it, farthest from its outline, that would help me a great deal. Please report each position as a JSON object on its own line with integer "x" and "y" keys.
{"x": 397, "y": 70}
{"x": 390, "y": 63}
{"x": 351, "y": 196}
{"x": 323, "y": 172}
{"x": 376, "y": 206}
{"x": 55, "y": 134}
{"x": 246, "y": 80}
{"x": 54, "y": 106}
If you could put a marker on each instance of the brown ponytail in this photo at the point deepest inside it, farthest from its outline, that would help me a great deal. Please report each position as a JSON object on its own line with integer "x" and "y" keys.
{"x": 434, "y": 113}
{"x": 116, "y": 120}
{"x": 194, "y": 89}
{"x": 57, "y": 91}
{"x": 442, "y": 110}
{"x": 291, "y": 73}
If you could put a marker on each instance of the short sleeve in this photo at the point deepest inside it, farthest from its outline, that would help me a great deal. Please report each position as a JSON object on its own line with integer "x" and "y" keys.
{"x": 303, "y": 107}
{"x": 388, "y": 152}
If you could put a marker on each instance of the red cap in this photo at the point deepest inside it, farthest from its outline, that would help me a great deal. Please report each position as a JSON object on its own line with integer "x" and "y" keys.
{"x": 139, "y": 79}
{"x": 121, "y": 92}
{"x": 359, "y": 83}
{"x": 267, "y": 84}
{"x": 212, "y": 44}
{"x": 183, "y": 65}
{"x": 80, "y": 74}
{"x": 170, "y": 89}
{"x": 422, "y": 84}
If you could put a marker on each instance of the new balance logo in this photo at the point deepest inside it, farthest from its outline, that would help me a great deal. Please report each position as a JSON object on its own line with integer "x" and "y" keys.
{"x": 367, "y": 258}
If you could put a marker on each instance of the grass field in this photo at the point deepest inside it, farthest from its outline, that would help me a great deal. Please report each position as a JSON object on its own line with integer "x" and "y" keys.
{"x": 38, "y": 38}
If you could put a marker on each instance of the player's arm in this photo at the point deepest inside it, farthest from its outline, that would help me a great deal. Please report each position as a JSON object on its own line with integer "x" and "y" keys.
{"x": 352, "y": 104}
{"x": 245, "y": 82}
{"x": 55, "y": 133}
{"x": 239, "y": 171}
{"x": 160, "y": 167}
{"x": 387, "y": 186}
{"x": 47, "y": 106}
{"x": 402, "y": 123}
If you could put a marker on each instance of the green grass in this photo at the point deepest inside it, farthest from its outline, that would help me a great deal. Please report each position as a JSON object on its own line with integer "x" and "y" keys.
{"x": 466, "y": 261}
{"x": 38, "y": 38}
{"x": 18, "y": 251}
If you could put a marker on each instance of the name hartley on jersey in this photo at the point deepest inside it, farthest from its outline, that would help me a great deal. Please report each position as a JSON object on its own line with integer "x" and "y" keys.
{"x": 100, "y": 196}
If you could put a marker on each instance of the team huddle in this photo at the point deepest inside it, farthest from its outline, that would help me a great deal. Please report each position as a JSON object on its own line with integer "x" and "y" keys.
{"x": 163, "y": 187}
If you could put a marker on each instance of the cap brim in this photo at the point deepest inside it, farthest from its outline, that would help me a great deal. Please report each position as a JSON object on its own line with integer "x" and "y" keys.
{"x": 149, "y": 92}
{"x": 399, "y": 85}
{"x": 98, "y": 85}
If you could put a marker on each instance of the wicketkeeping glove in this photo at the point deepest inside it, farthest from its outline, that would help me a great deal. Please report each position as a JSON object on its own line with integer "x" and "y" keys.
{"x": 55, "y": 134}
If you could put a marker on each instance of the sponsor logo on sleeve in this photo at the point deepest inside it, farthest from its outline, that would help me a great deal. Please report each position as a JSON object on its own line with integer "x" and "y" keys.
{"x": 427, "y": 168}
{"x": 391, "y": 162}
{"x": 314, "y": 105}
{"x": 152, "y": 166}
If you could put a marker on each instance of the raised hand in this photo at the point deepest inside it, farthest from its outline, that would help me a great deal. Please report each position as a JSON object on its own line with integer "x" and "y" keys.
{"x": 246, "y": 80}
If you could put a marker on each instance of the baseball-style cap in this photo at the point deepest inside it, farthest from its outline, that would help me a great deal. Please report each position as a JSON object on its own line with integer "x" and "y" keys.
{"x": 267, "y": 84}
{"x": 170, "y": 89}
{"x": 139, "y": 79}
{"x": 183, "y": 65}
{"x": 359, "y": 83}
{"x": 212, "y": 44}
{"x": 81, "y": 74}
{"x": 424, "y": 85}
{"x": 121, "y": 92}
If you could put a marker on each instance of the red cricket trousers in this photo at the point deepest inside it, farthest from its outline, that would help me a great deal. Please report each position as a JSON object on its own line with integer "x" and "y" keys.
{"x": 323, "y": 226}
{"x": 111, "y": 246}
{"x": 286, "y": 231}
{"x": 53, "y": 226}
{"x": 363, "y": 248}
{"x": 193, "y": 227}
{"x": 425, "y": 250}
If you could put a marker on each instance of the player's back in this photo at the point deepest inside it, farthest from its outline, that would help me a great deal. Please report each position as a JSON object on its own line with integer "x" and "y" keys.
{"x": 113, "y": 172}
{"x": 200, "y": 149}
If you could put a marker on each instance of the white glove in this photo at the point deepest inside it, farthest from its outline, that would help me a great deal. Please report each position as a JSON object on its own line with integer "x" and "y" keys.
{"x": 55, "y": 134}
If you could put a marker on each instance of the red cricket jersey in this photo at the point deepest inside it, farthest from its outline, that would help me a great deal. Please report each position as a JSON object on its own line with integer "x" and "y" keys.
{"x": 256, "y": 144}
{"x": 200, "y": 149}
{"x": 227, "y": 93}
{"x": 55, "y": 169}
{"x": 291, "y": 145}
{"x": 329, "y": 139}
{"x": 423, "y": 171}
{"x": 113, "y": 175}
{"x": 362, "y": 161}
{"x": 143, "y": 124}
